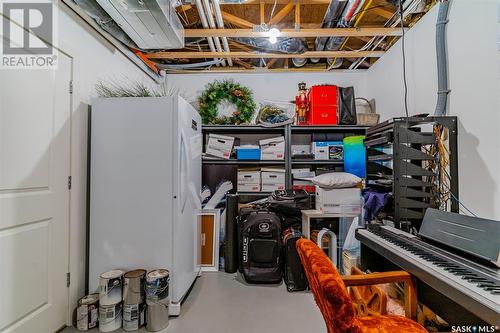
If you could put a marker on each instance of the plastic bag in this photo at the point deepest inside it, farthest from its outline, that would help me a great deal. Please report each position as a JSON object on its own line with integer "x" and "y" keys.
{"x": 351, "y": 243}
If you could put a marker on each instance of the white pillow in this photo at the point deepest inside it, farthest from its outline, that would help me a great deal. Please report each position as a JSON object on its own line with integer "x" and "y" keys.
{"x": 336, "y": 180}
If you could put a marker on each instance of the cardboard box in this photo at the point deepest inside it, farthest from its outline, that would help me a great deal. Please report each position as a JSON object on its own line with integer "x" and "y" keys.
{"x": 336, "y": 151}
{"x": 273, "y": 148}
{"x": 339, "y": 201}
{"x": 320, "y": 150}
{"x": 350, "y": 259}
{"x": 272, "y": 187}
{"x": 248, "y": 153}
{"x": 248, "y": 187}
{"x": 301, "y": 149}
{"x": 273, "y": 177}
{"x": 220, "y": 145}
{"x": 248, "y": 177}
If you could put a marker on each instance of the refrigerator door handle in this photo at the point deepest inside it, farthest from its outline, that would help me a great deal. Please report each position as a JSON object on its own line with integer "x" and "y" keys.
{"x": 183, "y": 165}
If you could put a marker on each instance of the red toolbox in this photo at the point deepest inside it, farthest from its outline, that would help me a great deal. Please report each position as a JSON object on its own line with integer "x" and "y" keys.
{"x": 322, "y": 105}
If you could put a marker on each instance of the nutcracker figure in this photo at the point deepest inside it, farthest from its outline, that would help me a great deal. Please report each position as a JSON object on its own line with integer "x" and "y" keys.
{"x": 301, "y": 104}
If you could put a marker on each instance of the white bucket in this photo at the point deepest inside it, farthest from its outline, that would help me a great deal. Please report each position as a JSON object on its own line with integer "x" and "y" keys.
{"x": 87, "y": 312}
{"x": 110, "y": 317}
{"x": 133, "y": 316}
{"x": 110, "y": 287}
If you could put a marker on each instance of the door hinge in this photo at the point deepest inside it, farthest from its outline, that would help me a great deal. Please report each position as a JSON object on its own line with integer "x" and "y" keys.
{"x": 69, "y": 182}
{"x": 70, "y": 87}
{"x": 68, "y": 279}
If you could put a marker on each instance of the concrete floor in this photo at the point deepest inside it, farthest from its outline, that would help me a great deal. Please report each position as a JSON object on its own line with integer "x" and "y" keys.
{"x": 223, "y": 303}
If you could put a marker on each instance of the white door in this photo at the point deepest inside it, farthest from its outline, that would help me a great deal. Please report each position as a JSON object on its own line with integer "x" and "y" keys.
{"x": 34, "y": 199}
{"x": 186, "y": 224}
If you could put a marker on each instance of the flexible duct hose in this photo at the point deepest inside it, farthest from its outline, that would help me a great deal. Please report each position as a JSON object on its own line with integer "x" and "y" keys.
{"x": 442, "y": 64}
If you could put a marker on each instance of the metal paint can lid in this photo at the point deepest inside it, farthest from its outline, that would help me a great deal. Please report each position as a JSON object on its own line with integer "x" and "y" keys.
{"x": 136, "y": 273}
{"x": 89, "y": 299}
{"x": 157, "y": 274}
{"x": 116, "y": 273}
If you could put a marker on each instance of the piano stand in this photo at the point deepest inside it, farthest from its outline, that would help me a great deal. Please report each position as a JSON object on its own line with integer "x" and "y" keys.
{"x": 451, "y": 312}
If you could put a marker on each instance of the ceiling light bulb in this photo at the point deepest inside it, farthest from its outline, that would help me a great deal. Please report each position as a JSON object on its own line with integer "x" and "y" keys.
{"x": 273, "y": 35}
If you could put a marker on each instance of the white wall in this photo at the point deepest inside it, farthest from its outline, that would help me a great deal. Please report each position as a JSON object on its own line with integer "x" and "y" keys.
{"x": 270, "y": 86}
{"x": 475, "y": 92}
{"x": 94, "y": 59}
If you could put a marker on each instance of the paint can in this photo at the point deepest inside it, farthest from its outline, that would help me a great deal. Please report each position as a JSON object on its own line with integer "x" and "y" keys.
{"x": 87, "y": 312}
{"x": 110, "y": 317}
{"x": 157, "y": 315}
{"x": 133, "y": 286}
{"x": 110, "y": 287}
{"x": 134, "y": 316}
{"x": 157, "y": 283}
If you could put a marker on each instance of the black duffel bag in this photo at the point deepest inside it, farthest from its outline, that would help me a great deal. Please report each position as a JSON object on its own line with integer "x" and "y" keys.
{"x": 289, "y": 203}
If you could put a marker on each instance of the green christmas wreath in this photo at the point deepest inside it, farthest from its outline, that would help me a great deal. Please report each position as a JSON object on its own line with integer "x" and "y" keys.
{"x": 218, "y": 91}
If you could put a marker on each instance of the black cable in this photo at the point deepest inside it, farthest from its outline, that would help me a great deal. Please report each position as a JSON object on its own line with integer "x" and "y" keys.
{"x": 404, "y": 56}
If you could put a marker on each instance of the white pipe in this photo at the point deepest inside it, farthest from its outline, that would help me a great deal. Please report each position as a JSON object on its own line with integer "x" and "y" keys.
{"x": 211, "y": 24}
{"x": 204, "y": 23}
{"x": 220, "y": 24}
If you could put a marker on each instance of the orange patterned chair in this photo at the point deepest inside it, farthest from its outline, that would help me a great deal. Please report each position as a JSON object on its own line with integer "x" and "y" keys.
{"x": 331, "y": 296}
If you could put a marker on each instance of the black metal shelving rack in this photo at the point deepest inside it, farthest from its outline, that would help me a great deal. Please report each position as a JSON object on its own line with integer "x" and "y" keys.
{"x": 401, "y": 168}
{"x": 288, "y": 131}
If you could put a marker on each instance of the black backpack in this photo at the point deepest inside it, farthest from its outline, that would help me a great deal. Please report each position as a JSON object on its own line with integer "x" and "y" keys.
{"x": 260, "y": 246}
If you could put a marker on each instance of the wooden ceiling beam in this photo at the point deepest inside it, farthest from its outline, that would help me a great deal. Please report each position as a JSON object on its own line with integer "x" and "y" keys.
{"x": 281, "y": 14}
{"x": 387, "y": 14}
{"x": 279, "y": 2}
{"x": 233, "y": 19}
{"x": 256, "y": 55}
{"x": 326, "y": 32}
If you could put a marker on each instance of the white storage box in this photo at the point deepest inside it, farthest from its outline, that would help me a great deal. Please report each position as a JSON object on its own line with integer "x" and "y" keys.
{"x": 339, "y": 201}
{"x": 273, "y": 177}
{"x": 248, "y": 187}
{"x": 248, "y": 177}
{"x": 220, "y": 145}
{"x": 301, "y": 149}
{"x": 321, "y": 150}
{"x": 272, "y": 149}
{"x": 272, "y": 187}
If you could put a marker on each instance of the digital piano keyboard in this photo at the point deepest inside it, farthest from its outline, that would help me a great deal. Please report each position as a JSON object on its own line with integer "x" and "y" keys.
{"x": 453, "y": 254}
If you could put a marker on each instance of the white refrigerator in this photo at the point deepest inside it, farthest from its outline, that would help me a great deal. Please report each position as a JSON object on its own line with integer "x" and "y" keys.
{"x": 145, "y": 180}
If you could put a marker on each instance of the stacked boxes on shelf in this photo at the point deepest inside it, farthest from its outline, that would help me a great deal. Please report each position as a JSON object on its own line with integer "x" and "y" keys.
{"x": 220, "y": 145}
{"x": 273, "y": 148}
{"x": 301, "y": 179}
{"x": 249, "y": 180}
{"x": 339, "y": 200}
{"x": 273, "y": 179}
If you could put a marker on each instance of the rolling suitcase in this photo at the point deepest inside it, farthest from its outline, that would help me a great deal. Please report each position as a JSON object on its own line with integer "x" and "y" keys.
{"x": 293, "y": 273}
{"x": 260, "y": 246}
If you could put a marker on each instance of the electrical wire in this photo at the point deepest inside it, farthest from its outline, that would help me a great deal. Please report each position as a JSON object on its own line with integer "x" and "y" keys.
{"x": 401, "y": 12}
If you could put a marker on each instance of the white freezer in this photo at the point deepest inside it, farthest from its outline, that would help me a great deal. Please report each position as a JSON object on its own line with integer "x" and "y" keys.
{"x": 145, "y": 180}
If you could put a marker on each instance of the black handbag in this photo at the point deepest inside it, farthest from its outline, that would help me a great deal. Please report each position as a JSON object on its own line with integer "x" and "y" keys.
{"x": 346, "y": 106}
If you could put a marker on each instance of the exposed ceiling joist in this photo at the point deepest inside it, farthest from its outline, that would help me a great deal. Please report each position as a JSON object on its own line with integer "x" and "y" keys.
{"x": 230, "y": 18}
{"x": 281, "y": 14}
{"x": 279, "y": 2}
{"x": 255, "y": 55}
{"x": 326, "y": 32}
{"x": 387, "y": 14}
